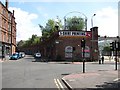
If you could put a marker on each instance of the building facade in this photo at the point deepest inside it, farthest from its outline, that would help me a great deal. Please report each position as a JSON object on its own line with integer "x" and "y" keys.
{"x": 66, "y": 45}
{"x": 7, "y": 30}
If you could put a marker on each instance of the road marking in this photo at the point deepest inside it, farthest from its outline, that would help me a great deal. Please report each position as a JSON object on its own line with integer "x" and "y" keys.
{"x": 58, "y": 84}
{"x": 116, "y": 79}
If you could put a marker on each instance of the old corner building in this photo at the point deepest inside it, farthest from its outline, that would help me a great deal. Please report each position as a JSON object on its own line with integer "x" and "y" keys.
{"x": 66, "y": 45}
{"x": 7, "y": 30}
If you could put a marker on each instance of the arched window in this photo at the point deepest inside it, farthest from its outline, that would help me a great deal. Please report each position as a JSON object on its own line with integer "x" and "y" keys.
{"x": 68, "y": 52}
{"x": 68, "y": 49}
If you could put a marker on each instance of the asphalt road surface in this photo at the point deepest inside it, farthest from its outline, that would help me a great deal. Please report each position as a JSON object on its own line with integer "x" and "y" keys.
{"x": 25, "y": 73}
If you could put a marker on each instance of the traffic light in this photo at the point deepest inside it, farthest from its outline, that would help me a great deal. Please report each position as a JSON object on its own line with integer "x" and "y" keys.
{"x": 73, "y": 48}
{"x": 112, "y": 46}
{"x": 118, "y": 44}
{"x": 83, "y": 43}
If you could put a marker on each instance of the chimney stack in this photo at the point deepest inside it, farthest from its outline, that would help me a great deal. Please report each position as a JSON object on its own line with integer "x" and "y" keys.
{"x": 6, "y": 4}
{"x": 13, "y": 13}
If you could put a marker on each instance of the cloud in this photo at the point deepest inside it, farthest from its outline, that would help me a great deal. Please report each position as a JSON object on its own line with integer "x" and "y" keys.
{"x": 25, "y": 26}
{"x": 107, "y": 21}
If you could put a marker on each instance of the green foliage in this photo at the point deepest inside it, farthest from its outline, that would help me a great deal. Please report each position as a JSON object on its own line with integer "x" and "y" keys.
{"x": 50, "y": 28}
{"x": 106, "y": 48}
{"x": 20, "y": 43}
{"x": 31, "y": 41}
{"x": 75, "y": 23}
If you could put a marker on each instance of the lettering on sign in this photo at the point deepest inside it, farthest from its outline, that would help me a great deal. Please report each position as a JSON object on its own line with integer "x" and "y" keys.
{"x": 72, "y": 33}
{"x": 75, "y": 33}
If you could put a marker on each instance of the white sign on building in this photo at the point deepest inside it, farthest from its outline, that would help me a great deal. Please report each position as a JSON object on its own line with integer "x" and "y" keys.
{"x": 72, "y": 33}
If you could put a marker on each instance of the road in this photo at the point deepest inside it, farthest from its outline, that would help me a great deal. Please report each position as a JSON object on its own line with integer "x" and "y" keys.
{"x": 25, "y": 73}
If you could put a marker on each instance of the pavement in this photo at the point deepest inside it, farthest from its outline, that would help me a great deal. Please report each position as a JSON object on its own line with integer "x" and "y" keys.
{"x": 4, "y": 59}
{"x": 101, "y": 79}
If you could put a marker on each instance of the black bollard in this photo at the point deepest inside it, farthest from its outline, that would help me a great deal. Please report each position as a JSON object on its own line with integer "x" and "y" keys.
{"x": 83, "y": 66}
{"x": 99, "y": 61}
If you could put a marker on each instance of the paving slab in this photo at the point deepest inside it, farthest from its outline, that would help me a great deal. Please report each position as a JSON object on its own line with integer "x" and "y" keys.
{"x": 98, "y": 79}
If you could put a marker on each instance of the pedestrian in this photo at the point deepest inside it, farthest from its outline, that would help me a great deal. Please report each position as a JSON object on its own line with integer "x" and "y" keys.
{"x": 102, "y": 59}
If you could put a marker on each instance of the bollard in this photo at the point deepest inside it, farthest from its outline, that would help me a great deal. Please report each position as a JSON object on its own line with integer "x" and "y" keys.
{"x": 83, "y": 66}
{"x": 99, "y": 61}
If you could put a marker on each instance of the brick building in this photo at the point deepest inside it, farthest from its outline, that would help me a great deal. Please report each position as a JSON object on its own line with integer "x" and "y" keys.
{"x": 66, "y": 45}
{"x": 7, "y": 30}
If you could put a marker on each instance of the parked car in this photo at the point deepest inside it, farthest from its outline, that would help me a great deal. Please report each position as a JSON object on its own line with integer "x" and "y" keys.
{"x": 14, "y": 56}
{"x": 37, "y": 55}
{"x": 22, "y": 54}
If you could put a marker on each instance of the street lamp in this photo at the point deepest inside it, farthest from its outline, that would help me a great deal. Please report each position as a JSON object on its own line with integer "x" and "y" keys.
{"x": 92, "y": 35}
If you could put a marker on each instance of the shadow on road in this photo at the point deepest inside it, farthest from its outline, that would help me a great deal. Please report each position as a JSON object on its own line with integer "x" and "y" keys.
{"x": 114, "y": 84}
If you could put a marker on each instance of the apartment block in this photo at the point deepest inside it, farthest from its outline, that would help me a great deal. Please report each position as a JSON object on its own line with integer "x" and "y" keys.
{"x": 7, "y": 30}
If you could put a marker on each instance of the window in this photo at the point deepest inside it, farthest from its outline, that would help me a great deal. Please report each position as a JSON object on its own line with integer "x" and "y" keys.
{"x": 3, "y": 12}
{"x": 9, "y": 16}
{"x": 9, "y": 38}
{"x": 9, "y": 27}
{"x": 3, "y": 22}
{"x": 4, "y": 37}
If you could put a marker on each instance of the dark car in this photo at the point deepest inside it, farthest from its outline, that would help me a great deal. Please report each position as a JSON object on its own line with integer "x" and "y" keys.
{"x": 14, "y": 56}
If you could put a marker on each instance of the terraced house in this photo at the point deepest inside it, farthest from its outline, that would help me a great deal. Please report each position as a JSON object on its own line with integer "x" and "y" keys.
{"x": 7, "y": 30}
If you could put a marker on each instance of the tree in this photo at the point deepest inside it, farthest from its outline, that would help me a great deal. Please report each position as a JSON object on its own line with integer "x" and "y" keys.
{"x": 31, "y": 41}
{"x": 50, "y": 27}
{"x": 20, "y": 43}
{"x": 75, "y": 23}
{"x": 106, "y": 50}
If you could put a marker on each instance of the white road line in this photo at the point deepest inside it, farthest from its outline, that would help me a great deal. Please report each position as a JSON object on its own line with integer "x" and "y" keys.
{"x": 56, "y": 84}
{"x": 116, "y": 79}
{"x": 60, "y": 84}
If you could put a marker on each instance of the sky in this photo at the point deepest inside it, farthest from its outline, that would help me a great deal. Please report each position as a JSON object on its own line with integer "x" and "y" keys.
{"x": 30, "y": 13}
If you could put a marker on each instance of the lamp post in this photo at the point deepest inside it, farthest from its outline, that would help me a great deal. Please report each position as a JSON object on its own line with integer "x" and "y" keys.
{"x": 92, "y": 35}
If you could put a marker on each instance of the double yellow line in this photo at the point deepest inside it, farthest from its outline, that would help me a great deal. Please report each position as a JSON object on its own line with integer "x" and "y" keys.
{"x": 58, "y": 84}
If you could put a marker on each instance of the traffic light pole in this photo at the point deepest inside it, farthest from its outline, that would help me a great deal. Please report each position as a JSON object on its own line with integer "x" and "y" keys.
{"x": 115, "y": 47}
{"x": 83, "y": 50}
{"x": 83, "y": 60}
{"x": 115, "y": 55}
